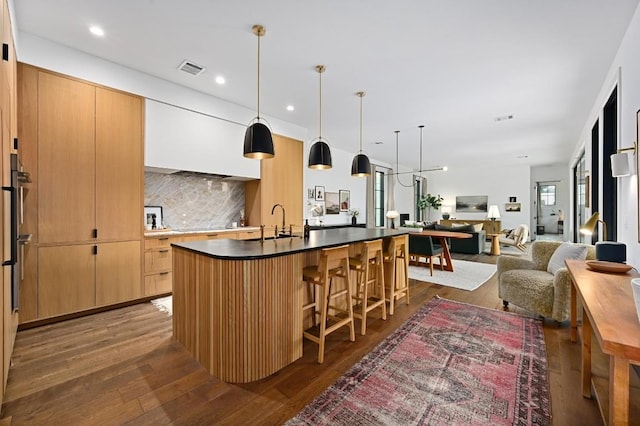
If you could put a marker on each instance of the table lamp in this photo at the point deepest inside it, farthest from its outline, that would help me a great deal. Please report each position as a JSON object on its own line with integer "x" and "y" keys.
{"x": 392, "y": 215}
{"x": 493, "y": 214}
{"x": 611, "y": 251}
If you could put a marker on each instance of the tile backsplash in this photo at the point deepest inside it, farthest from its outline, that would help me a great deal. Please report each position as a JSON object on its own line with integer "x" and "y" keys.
{"x": 194, "y": 201}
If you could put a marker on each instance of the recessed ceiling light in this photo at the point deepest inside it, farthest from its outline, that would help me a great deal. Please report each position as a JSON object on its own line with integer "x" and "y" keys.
{"x": 220, "y": 80}
{"x": 522, "y": 156}
{"x": 96, "y": 30}
{"x": 378, "y": 143}
{"x": 290, "y": 107}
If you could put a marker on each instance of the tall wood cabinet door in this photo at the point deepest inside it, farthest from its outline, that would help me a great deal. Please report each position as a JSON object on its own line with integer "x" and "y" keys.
{"x": 281, "y": 182}
{"x": 118, "y": 272}
{"x": 66, "y": 156}
{"x": 119, "y": 165}
{"x": 66, "y": 279}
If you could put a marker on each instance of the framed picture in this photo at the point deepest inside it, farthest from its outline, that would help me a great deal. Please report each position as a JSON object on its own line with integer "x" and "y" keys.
{"x": 512, "y": 207}
{"x": 153, "y": 217}
{"x": 317, "y": 209}
{"x": 319, "y": 193}
{"x": 472, "y": 203}
{"x": 332, "y": 203}
{"x": 344, "y": 200}
{"x": 512, "y": 199}
{"x": 311, "y": 193}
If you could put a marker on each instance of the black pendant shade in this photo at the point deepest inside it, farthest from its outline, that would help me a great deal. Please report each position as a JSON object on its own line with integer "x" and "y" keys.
{"x": 360, "y": 166}
{"x": 320, "y": 156}
{"x": 258, "y": 143}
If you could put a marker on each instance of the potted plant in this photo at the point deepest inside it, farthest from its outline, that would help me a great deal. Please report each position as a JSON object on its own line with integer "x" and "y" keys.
{"x": 428, "y": 202}
{"x": 354, "y": 214}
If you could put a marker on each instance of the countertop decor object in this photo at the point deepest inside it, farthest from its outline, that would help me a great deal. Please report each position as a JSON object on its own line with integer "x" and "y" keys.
{"x": 258, "y": 142}
{"x": 612, "y": 251}
{"x": 610, "y": 267}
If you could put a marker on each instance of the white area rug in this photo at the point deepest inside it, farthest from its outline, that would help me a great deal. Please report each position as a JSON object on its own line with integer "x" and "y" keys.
{"x": 164, "y": 304}
{"x": 465, "y": 275}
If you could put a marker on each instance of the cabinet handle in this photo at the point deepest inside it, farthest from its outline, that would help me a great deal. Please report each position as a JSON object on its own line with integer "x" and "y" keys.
{"x": 163, "y": 239}
{"x": 164, "y": 251}
{"x": 164, "y": 273}
{"x": 95, "y": 250}
{"x": 5, "y": 52}
{"x": 95, "y": 233}
{"x": 212, "y": 235}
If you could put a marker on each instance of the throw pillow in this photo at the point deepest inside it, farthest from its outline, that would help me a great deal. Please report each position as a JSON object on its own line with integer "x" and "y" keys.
{"x": 563, "y": 252}
{"x": 478, "y": 227}
{"x": 430, "y": 226}
{"x": 459, "y": 225}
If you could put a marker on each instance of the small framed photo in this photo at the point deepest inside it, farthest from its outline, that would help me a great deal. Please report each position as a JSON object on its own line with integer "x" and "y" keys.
{"x": 153, "y": 217}
{"x": 332, "y": 203}
{"x": 344, "y": 200}
{"x": 319, "y": 193}
{"x": 311, "y": 193}
{"x": 512, "y": 207}
{"x": 513, "y": 199}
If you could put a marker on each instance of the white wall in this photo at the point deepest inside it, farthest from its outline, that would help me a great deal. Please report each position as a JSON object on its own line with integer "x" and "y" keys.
{"x": 497, "y": 183}
{"x": 624, "y": 70}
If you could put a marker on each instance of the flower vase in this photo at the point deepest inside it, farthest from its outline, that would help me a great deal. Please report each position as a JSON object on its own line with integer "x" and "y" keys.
{"x": 353, "y": 220}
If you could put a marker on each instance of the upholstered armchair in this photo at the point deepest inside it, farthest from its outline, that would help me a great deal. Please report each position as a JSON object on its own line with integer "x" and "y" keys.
{"x": 518, "y": 238}
{"x": 528, "y": 284}
{"x": 423, "y": 246}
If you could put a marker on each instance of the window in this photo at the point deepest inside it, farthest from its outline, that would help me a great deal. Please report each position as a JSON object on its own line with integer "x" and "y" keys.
{"x": 548, "y": 195}
{"x": 379, "y": 202}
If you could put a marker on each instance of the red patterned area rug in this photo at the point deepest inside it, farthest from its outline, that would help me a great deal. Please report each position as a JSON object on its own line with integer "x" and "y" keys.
{"x": 449, "y": 364}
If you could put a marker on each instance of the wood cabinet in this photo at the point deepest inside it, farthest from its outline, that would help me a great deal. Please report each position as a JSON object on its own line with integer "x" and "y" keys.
{"x": 280, "y": 183}
{"x": 158, "y": 258}
{"x": 84, "y": 147}
{"x": 8, "y": 131}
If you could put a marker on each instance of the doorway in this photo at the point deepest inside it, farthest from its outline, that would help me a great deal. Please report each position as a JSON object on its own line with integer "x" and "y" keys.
{"x": 549, "y": 216}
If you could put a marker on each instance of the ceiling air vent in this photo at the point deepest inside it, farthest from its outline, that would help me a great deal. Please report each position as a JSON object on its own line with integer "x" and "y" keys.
{"x": 191, "y": 68}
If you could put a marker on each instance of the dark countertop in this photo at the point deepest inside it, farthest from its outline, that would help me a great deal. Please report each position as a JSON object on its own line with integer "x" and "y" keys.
{"x": 318, "y": 239}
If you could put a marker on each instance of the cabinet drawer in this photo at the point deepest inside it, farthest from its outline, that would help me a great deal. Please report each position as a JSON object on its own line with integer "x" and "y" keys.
{"x": 152, "y": 243}
{"x": 158, "y": 283}
{"x": 210, "y": 236}
{"x": 157, "y": 260}
{"x": 245, "y": 235}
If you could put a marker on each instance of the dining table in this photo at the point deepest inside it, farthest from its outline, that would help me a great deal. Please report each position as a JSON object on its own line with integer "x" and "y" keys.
{"x": 442, "y": 236}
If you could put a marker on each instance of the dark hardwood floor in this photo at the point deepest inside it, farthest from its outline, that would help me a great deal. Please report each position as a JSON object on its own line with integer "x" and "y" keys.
{"x": 123, "y": 367}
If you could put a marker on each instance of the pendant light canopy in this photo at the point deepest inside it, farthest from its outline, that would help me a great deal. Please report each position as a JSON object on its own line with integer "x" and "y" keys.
{"x": 258, "y": 142}
{"x": 361, "y": 166}
{"x": 320, "y": 154}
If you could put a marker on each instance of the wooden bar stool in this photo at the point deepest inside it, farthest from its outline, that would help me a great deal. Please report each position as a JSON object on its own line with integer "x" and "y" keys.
{"x": 397, "y": 256}
{"x": 334, "y": 263}
{"x": 369, "y": 269}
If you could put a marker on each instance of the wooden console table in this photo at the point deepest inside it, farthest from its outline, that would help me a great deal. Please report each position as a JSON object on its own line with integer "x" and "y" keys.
{"x": 608, "y": 311}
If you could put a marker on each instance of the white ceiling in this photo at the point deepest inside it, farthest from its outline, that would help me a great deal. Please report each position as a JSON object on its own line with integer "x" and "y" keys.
{"x": 453, "y": 66}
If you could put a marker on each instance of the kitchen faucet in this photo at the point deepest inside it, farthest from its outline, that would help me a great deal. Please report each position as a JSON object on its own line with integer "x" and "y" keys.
{"x": 273, "y": 209}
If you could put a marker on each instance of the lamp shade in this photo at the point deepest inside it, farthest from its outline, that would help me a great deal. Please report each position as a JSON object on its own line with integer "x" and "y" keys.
{"x": 320, "y": 156}
{"x": 620, "y": 165}
{"x": 258, "y": 143}
{"x": 494, "y": 212}
{"x": 393, "y": 214}
{"x": 361, "y": 166}
{"x": 590, "y": 225}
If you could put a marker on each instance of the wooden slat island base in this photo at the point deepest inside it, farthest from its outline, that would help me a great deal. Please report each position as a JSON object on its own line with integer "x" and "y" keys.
{"x": 237, "y": 305}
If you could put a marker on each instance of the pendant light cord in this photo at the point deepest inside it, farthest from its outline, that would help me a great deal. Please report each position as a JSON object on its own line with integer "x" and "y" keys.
{"x": 320, "y": 97}
{"x": 421, "y": 127}
{"x": 258, "y": 109}
{"x": 361, "y": 94}
{"x": 398, "y": 165}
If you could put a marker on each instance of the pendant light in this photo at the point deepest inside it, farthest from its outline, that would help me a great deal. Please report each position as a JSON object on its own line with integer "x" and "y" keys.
{"x": 320, "y": 154}
{"x": 258, "y": 143}
{"x": 360, "y": 166}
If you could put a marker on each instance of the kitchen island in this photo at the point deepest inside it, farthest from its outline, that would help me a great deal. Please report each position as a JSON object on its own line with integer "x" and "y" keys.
{"x": 237, "y": 305}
